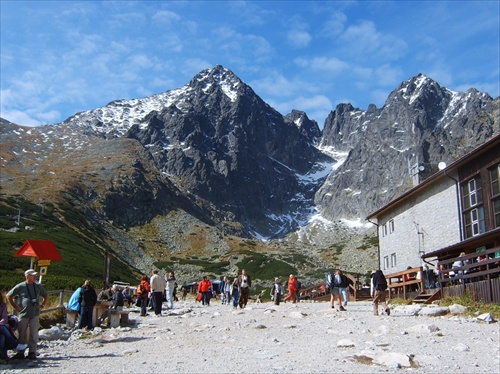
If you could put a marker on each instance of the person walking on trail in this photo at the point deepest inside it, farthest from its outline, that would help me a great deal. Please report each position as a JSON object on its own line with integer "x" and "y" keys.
{"x": 87, "y": 299}
{"x": 276, "y": 291}
{"x": 205, "y": 288}
{"x": 225, "y": 290}
{"x": 235, "y": 292}
{"x": 28, "y": 308}
{"x": 245, "y": 282}
{"x": 170, "y": 290}
{"x": 333, "y": 282}
{"x": 143, "y": 294}
{"x": 378, "y": 291}
{"x": 343, "y": 282}
{"x": 292, "y": 289}
{"x": 158, "y": 286}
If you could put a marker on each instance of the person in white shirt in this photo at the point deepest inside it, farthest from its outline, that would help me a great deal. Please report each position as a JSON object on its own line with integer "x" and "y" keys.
{"x": 158, "y": 286}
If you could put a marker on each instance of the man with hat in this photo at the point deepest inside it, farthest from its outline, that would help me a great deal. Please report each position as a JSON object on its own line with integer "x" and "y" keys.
{"x": 28, "y": 307}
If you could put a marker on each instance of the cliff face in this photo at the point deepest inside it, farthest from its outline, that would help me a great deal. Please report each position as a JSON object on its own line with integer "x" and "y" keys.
{"x": 421, "y": 122}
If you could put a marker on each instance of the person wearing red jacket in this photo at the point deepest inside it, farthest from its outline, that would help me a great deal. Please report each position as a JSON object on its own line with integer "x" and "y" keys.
{"x": 292, "y": 289}
{"x": 143, "y": 293}
{"x": 205, "y": 288}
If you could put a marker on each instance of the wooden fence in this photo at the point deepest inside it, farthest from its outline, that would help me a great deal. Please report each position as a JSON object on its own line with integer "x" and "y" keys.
{"x": 477, "y": 276}
{"x": 405, "y": 283}
{"x": 63, "y": 297}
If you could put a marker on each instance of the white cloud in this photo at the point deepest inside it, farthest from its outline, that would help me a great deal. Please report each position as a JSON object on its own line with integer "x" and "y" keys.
{"x": 389, "y": 76}
{"x": 166, "y": 17}
{"x": 335, "y": 24}
{"x": 20, "y": 118}
{"x": 332, "y": 65}
{"x": 193, "y": 66}
{"x": 364, "y": 40}
{"x": 275, "y": 84}
{"x": 140, "y": 61}
{"x": 239, "y": 46}
{"x": 299, "y": 38}
{"x": 173, "y": 42}
{"x": 317, "y": 107}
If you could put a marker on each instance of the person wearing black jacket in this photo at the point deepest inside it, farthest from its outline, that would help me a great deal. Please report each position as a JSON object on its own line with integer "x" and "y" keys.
{"x": 87, "y": 300}
{"x": 378, "y": 291}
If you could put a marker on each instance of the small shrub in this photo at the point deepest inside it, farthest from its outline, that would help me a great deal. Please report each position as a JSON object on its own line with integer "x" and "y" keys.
{"x": 472, "y": 305}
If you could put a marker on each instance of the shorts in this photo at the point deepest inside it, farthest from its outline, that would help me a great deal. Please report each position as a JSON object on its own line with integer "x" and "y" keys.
{"x": 335, "y": 291}
{"x": 379, "y": 296}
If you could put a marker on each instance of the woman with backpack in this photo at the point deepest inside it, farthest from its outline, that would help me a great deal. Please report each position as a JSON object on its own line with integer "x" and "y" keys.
{"x": 378, "y": 291}
{"x": 143, "y": 294}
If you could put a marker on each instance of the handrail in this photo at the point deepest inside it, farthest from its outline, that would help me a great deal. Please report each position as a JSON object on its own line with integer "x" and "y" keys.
{"x": 61, "y": 305}
{"x": 405, "y": 278}
{"x": 470, "y": 268}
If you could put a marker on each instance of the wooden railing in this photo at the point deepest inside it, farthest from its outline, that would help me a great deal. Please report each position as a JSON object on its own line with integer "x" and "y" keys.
{"x": 401, "y": 282}
{"x": 353, "y": 286}
{"x": 477, "y": 268}
{"x": 315, "y": 292}
{"x": 62, "y": 294}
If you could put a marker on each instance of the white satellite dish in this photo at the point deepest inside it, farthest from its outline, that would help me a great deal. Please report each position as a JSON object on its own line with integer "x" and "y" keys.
{"x": 442, "y": 165}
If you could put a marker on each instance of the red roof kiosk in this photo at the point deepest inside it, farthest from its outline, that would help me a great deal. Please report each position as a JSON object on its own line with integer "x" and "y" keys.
{"x": 44, "y": 250}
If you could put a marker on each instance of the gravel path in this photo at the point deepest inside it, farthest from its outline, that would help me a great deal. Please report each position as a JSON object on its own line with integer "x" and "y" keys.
{"x": 264, "y": 338}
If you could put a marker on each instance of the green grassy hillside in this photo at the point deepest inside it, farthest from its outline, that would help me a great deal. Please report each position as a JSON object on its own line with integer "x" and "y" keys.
{"x": 81, "y": 246}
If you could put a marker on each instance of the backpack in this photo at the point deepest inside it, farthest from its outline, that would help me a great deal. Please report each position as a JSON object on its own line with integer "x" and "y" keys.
{"x": 329, "y": 280}
{"x": 380, "y": 281}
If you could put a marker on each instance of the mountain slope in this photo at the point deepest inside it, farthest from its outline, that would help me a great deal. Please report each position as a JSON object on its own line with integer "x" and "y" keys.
{"x": 421, "y": 121}
{"x": 193, "y": 174}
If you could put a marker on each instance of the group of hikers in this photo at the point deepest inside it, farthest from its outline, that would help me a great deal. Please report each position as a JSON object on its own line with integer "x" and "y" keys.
{"x": 336, "y": 284}
{"x": 28, "y": 298}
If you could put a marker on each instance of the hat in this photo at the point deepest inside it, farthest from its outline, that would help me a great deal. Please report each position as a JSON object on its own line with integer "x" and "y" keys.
{"x": 30, "y": 272}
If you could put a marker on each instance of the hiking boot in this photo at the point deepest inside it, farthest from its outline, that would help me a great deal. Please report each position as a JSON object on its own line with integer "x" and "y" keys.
{"x": 18, "y": 356}
{"x": 388, "y": 311}
{"x": 31, "y": 356}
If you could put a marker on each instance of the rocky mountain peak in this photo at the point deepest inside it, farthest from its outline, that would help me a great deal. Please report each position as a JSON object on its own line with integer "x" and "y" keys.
{"x": 220, "y": 77}
{"x": 420, "y": 121}
{"x": 308, "y": 128}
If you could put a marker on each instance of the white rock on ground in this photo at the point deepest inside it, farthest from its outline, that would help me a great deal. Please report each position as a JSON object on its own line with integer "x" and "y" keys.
{"x": 216, "y": 339}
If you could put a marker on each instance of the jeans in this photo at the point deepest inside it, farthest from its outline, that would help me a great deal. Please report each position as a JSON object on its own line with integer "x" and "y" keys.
{"x": 343, "y": 291}
{"x": 144, "y": 305}
{"x": 170, "y": 299}
{"x": 7, "y": 341}
{"x": 206, "y": 298}
{"x": 86, "y": 314}
{"x": 235, "y": 297}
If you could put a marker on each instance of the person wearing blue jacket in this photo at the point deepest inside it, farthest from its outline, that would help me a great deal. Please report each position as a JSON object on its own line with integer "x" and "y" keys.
{"x": 74, "y": 303}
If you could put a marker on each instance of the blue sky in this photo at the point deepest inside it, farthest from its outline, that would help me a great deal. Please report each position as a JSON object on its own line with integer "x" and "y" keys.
{"x": 62, "y": 57}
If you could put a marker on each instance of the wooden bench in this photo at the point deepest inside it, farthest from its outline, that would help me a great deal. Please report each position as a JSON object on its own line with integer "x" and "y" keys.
{"x": 71, "y": 316}
{"x": 117, "y": 317}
